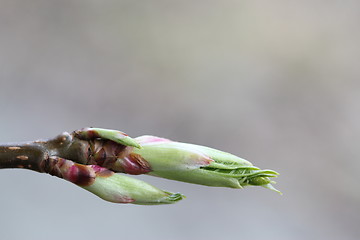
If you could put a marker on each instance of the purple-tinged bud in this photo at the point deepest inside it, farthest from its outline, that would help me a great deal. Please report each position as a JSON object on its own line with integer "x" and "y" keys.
{"x": 108, "y": 185}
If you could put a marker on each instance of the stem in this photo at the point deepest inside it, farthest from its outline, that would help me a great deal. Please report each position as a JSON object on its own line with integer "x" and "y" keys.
{"x": 37, "y": 155}
{"x": 23, "y": 155}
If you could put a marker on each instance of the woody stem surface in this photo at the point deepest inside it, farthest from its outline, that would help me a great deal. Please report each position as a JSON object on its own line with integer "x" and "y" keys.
{"x": 34, "y": 155}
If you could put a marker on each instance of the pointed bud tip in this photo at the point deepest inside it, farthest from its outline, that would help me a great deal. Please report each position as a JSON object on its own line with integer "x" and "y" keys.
{"x": 129, "y": 142}
{"x": 271, "y": 187}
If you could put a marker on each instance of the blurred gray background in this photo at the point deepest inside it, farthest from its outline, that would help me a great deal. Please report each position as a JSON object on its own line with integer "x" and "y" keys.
{"x": 275, "y": 82}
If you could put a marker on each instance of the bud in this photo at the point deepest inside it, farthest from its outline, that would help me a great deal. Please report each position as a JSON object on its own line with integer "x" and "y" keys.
{"x": 108, "y": 185}
{"x": 122, "y": 189}
{"x": 113, "y": 135}
{"x": 200, "y": 165}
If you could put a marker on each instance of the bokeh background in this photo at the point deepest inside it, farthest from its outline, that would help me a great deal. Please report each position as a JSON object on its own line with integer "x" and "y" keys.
{"x": 276, "y": 82}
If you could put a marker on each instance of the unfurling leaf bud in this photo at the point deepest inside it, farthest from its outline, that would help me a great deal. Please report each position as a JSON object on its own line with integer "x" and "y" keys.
{"x": 200, "y": 165}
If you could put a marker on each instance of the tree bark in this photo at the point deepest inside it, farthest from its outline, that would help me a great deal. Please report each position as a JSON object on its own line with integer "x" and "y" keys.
{"x": 23, "y": 155}
{"x": 37, "y": 155}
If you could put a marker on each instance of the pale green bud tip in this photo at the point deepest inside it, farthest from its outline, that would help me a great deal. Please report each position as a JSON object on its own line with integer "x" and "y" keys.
{"x": 128, "y": 141}
{"x": 121, "y": 189}
{"x": 271, "y": 187}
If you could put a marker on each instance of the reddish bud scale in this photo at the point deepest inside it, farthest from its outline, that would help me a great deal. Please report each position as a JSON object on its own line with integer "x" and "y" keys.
{"x": 82, "y": 175}
{"x": 86, "y": 134}
{"x": 101, "y": 172}
{"x": 117, "y": 157}
{"x": 134, "y": 164}
{"x": 105, "y": 152}
{"x": 90, "y": 134}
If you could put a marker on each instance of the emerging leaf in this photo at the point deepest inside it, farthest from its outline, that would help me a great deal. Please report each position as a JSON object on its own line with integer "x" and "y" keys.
{"x": 200, "y": 165}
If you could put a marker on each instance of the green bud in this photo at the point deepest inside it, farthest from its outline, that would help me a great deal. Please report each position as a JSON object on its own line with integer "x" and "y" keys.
{"x": 113, "y": 135}
{"x": 122, "y": 189}
{"x": 108, "y": 185}
{"x": 200, "y": 165}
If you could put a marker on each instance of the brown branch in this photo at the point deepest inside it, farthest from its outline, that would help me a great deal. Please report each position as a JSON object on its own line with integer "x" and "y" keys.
{"x": 23, "y": 155}
{"x": 35, "y": 155}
